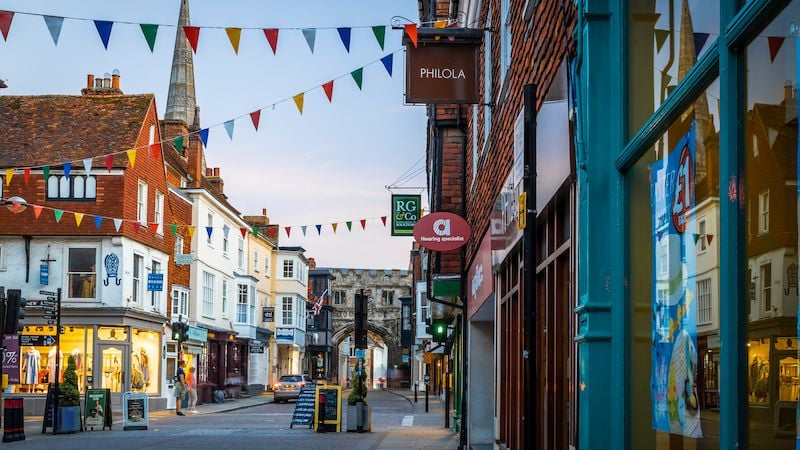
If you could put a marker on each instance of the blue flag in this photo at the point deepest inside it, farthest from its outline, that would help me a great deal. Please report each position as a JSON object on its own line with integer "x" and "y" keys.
{"x": 54, "y": 24}
{"x": 229, "y": 128}
{"x": 204, "y": 136}
{"x": 344, "y": 34}
{"x": 104, "y": 30}
{"x": 311, "y": 35}
{"x": 387, "y": 62}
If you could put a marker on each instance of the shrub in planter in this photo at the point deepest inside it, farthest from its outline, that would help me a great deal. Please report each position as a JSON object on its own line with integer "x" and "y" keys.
{"x": 69, "y": 411}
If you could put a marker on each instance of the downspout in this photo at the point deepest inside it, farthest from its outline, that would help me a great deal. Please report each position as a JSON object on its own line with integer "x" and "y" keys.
{"x": 28, "y": 258}
{"x": 464, "y": 437}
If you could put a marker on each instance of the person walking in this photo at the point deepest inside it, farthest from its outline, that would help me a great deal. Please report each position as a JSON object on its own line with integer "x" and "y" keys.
{"x": 180, "y": 388}
{"x": 191, "y": 389}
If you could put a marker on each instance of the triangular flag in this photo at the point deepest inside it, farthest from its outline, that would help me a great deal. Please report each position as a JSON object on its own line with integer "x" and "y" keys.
{"x": 204, "y": 136}
{"x": 104, "y": 30}
{"x": 311, "y": 35}
{"x": 387, "y": 62}
{"x": 775, "y": 43}
{"x": 383, "y": 219}
{"x": 67, "y": 169}
{"x": 440, "y": 24}
{"x": 229, "y": 128}
{"x": 78, "y": 218}
{"x": 46, "y": 172}
{"x": 334, "y": 225}
{"x": 5, "y": 23}
{"x": 98, "y": 220}
{"x": 58, "y": 213}
{"x": 225, "y": 231}
{"x": 154, "y": 227}
{"x": 319, "y": 229}
{"x": 87, "y": 166}
{"x": 150, "y": 31}
{"x": 272, "y": 38}
{"x": 117, "y": 224}
{"x": 54, "y": 24}
{"x": 190, "y": 231}
{"x": 411, "y": 31}
{"x": 298, "y": 100}
{"x": 173, "y": 228}
{"x": 272, "y": 232}
{"x": 358, "y": 76}
{"x": 363, "y": 224}
{"x": 661, "y": 37}
{"x": 255, "y": 231}
{"x": 132, "y": 157}
{"x": 26, "y": 175}
{"x": 288, "y": 231}
{"x": 234, "y": 35}
{"x": 136, "y": 227}
{"x": 209, "y": 231}
{"x": 328, "y": 88}
{"x": 696, "y": 238}
{"x": 243, "y": 231}
{"x": 9, "y": 175}
{"x": 178, "y": 141}
{"x": 37, "y": 211}
{"x": 155, "y": 149}
{"x": 699, "y": 41}
{"x": 304, "y": 229}
{"x": 344, "y": 34}
{"x": 709, "y": 237}
{"x": 380, "y": 34}
{"x": 255, "y": 116}
{"x": 109, "y": 162}
{"x": 193, "y": 35}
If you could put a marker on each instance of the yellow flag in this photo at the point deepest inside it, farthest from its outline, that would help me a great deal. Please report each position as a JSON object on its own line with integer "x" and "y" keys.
{"x": 190, "y": 230}
{"x": 440, "y": 24}
{"x": 298, "y": 100}
{"x": 78, "y": 218}
{"x": 334, "y": 225}
{"x": 234, "y": 34}
{"x": 132, "y": 156}
{"x": 9, "y": 174}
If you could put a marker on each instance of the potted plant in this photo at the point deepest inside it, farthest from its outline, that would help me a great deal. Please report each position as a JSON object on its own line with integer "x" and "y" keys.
{"x": 69, "y": 410}
{"x": 357, "y": 409}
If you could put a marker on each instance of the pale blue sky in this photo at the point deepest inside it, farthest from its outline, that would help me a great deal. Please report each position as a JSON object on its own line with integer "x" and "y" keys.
{"x": 330, "y": 164}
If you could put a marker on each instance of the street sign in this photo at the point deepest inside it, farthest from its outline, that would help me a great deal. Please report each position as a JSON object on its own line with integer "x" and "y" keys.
{"x": 427, "y": 379}
{"x": 47, "y": 293}
{"x": 51, "y": 322}
{"x": 36, "y": 340}
{"x": 155, "y": 282}
{"x": 268, "y": 314}
{"x": 360, "y": 353}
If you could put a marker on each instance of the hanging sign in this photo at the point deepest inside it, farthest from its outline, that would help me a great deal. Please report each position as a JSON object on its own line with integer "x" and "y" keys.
{"x": 256, "y": 346}
{"x": 44, "y": 274}
{"x": 268, "y": 314}
{"x": 183, "y": 259}
{"x": 442, "y": 232}
{"x": 406, "y": 210}
{"x": 444, "y": 66}
{"x": 155, "y": 282}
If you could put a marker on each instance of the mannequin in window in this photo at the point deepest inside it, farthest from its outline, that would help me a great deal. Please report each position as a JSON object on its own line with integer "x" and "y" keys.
{"x": 30, "y": 366}
{"x": 51, "y": 365}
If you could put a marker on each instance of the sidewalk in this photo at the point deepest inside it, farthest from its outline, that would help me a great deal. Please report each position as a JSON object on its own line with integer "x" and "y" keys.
{"x": 426, "y": 430}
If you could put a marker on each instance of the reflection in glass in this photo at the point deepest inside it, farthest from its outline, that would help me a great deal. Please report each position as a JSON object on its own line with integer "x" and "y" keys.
{"x": 112, "y": 369}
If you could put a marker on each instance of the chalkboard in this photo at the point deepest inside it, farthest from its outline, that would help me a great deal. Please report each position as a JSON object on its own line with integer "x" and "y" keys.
{"x": 331, "y": 404}
{"x": 304, "y": 408}
{"x": 332, "y": 415}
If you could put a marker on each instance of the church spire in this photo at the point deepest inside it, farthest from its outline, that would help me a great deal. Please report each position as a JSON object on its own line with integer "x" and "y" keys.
{"x": 181, "y": 98}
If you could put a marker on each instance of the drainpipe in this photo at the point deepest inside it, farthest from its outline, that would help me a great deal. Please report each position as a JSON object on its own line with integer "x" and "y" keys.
{"x": 464, "y": 433}
{"x": 529, "y": 264}
{"x": 28, "y": 258}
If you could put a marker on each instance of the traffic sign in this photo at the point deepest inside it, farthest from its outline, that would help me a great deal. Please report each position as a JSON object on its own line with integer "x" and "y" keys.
{"x": 47, "y": 293}
{"x": 36, "y": 340}
{"x": 50, "y": 297}
{"x": 360, "y": 353}
{"x": 51, "y": 322}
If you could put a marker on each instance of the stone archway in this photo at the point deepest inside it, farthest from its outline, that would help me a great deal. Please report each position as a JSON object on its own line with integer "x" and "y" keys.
{"x": 375, "y": 334}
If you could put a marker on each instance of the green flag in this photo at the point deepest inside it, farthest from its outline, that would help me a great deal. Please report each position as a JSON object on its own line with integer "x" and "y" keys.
{"x": 380, "y": 34}
{"x": 149, "y": 31}
{"x": 358, "y": 76}
{"x": 349, "y": 225}
{"x": 58, "y": 213}
{"x": 179, "y": 144}
{"x": 174, "y": 228}
{"x": 46, "y": 170}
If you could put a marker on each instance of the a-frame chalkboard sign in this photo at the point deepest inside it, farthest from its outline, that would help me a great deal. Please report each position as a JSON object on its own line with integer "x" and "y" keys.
{"x": 304, "y": 408}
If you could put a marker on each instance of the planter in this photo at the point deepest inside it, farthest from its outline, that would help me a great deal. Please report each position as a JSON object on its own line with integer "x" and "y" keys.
{"x": 69, "y": 419}
{"x": 358, "y": 418}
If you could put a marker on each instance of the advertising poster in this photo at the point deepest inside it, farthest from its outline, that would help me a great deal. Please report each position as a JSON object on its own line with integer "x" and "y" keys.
{"x": 134, "y": 411}
{"x": 674, "y": 359}
{"x": 95, "y": 408}
{"x": 11, "y": 358}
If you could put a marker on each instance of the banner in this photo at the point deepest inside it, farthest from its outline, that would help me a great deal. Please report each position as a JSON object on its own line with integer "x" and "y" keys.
{"x": 674, "y": 359}
{"x": 406, "y": 210}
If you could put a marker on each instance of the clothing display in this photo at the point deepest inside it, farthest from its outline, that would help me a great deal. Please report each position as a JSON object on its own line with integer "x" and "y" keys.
{"x": 30, "y": 367}
{"x": 51, "y": 365}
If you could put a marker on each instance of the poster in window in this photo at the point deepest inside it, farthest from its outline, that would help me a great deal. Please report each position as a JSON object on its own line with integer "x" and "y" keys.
{"x": 674, "y": 359}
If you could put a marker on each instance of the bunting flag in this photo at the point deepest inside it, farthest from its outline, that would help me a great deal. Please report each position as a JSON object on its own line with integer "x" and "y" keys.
{"x": 193, "y": 35}
{"x": 58, "y": 214}
{"x": 661, "y": 37}
{"x": 229, "y": 128}
{"x": 136, "y": 227}
{"x": 272, "y": 38}
{"x": 344, "y": 34}
{"x": 98, "y": 220}
{"x": 699, "y": 41}
{"x": 46, "y": 172}
{"x": 109, "y": 162}
{"x": 303, "y": 228}
{"x": 311, "y": 35}
{"x": 9, "y": 175}
{"x": 334, "y": 225}
{"x": 204, "y": 136}
{"x": 5, "y": 23}
{"x": 383, "y": 219}
{"x": 225, "y": 231}
{"x": 37, "y": 211}
{"x": 149, "y": 31}
{"x": 209, "y": 231}
{"x": 255, "y": 116}
{"x": 132, "y": 157}
{"x": 234, "y": 35}
{"x": 244, "y": 232}
{"x": 440, "y": 24}
{"x": 298, "y": 101}
{"x": 178, "y": 141}
{"x": 154, "y": 227}
{"x": 173, "y": 228}
{"x": 349, "y": 225}
{"x": 387, "y": 62}
{"x": 380, "y": 34}
{"x": 696, "y": 238}
{"x": 87, "y": 166}
{"x": 67, "y": 169}
{"x": 709, "y": 237}
{"x": 255, "y": 232}
{"x": 358, "y": 76}
{"x": 319, "y": 229}
{"x": 155, "y": 149}
{"x": 411, "y": 31}
{"x": 104, "y": 30}
{"x": 117, "y": 224}
{"x": 26, "y": 175}
{"x": 288, "y": 231}
{"x": 190, "y": 231}
{"x": 775, "y": 44}
{"x": 363, "y": 224}
{"x": 54, "y": 24}
{"x": 328, "y": 88}
{"x": 78, "y": 218}
{"x": 272, "y": 232}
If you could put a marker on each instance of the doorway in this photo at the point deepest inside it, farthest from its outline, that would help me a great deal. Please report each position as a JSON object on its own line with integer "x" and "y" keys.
{"x": 113, "y": 361}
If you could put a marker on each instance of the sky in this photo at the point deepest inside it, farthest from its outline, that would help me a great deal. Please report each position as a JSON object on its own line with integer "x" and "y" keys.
{"x": 329, "y": 165}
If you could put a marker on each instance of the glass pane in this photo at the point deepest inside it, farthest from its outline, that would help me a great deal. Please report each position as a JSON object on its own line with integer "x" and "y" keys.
{"x": 82, "y": 259}
{"x": 91, "y": 187}
{"x": 674, "y": 286}
{"x": 112, "y": 369}
{"x": 665, "y": 39}
{"x": 771, "y": 198}
{"x": 78, "y": 187}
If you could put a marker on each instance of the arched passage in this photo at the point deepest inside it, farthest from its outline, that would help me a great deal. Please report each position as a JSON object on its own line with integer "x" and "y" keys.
{"x": 380, "y": 341}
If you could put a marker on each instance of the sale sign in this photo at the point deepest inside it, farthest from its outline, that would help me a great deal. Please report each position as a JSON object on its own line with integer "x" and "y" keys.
{"x": 406, "y": 210}
{"x": 11, "y": 357}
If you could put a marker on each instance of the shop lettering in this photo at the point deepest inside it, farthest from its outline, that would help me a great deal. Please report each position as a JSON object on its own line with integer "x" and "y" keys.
{"x": 477, "y": 280}
{"x": 442, "y": 227}
{"x": 442, "y": 74}
{"x": 442, "y": 239}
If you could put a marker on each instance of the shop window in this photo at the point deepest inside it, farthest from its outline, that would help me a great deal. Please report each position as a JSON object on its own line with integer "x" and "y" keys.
{"x": 37, "y": 358}
{"x": 82, "y": 272}
{"x": 180, "y": 302}
{"x": 286, "y": 310}
{"x": 144, "y": 360}
{"x": 242, "y": 304}
{"x": 208, "y": 294}
{"x": 141, "y": 203}
{"x": 138, "y": 263}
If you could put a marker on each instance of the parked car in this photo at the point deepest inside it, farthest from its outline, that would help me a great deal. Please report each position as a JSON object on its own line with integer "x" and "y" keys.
{"x": 288, "y": 387}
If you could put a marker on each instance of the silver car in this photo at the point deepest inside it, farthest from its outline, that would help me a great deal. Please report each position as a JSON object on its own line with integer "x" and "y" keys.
{"x": 288, "y": 388}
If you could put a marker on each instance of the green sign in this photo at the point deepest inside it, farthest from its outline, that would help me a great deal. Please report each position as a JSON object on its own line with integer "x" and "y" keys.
{"x": 406, "y": 210}
{"x": 97, "y": 412}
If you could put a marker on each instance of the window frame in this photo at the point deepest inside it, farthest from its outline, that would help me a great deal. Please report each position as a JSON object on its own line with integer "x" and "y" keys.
{"x": 224, "y": 297}
{"x": 69, "y": 273}
{"x": 137, "y": 269}
{"x": 242, "y": 302}
{"x": 208, "y": 294}
{"x": 158, "y": 213}
{"x": 763, "y": 212}
{"x": 289, "y": 311}
{"x": 141, "y": 203}
{"x": 180, "y": 302}
{"x": 68, "y": 184}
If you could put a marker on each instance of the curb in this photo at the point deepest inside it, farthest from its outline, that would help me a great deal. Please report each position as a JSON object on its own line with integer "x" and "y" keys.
{"x": 237, "y": 408}
{"x": 411, "y": 402}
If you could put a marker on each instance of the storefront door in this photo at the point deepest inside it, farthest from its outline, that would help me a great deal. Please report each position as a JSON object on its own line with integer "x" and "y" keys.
{"x": 113, "y": 361}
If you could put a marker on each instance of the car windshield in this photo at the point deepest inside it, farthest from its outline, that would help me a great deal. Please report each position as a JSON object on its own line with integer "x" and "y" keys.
{"x": 292, "y": 378}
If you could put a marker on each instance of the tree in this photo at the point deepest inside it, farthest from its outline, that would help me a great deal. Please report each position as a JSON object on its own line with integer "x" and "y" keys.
{"x": 359, "y": 392}
{"x": 69, "y": 388}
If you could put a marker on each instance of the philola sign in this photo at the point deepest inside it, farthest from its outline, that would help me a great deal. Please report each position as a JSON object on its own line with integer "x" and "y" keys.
{"x": 406, "y": 210}
{"x": 442, "y": 232}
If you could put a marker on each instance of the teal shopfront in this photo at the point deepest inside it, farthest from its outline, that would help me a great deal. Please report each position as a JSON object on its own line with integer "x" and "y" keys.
{"x": 687, "y": 165}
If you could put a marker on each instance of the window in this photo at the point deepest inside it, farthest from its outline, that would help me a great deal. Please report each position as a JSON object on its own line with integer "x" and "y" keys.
{"x": 209, "y": 224}
{"x": 766, "y": 286}
{"x": 487, "y": 80}
{"x": 224, "y": 297}
{"x": 155, "y": 296}
{"x": 138, "y": 263}
{"x": 505, "y": 39}
{"x": 704, "y": 302}
{"x": 252, "y": 297}
{"x": 2, "y": 254}
{"x": 701, "y": 231}
{"x": 242, "y": 304}
{"x": 266, "y": 265}
{"x": 141, "y": 204}
{"x": 387, "y": 297}
{"x": 152, "y": 139}
{"x": 82, "y": 272}
{"x": 241, "y": 253}
{"x": 288, "y": 268}
{"x": 225, "y": 230}
{"x": 338, "y": 297}
{"x": 180, "y": 302}
{"x": 255, "y": 260}
{"x": 208, "y": 294}
{"x": 763, "y": 212}
{"x": 286, "y": 310}
{"x": 159, "y": 213}
{"x": 74, "y": 187}
{"x": 179, "y": 245}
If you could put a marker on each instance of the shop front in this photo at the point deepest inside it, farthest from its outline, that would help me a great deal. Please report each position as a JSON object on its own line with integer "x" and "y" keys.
{"x": 226, "y": 364}
{"x": 291, "y": 350}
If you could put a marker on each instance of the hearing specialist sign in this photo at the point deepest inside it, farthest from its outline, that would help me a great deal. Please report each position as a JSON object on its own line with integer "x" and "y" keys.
{"x": 406, "y": 210}
{"x": 443, "y": 67}
{"x": 442, "y": 232}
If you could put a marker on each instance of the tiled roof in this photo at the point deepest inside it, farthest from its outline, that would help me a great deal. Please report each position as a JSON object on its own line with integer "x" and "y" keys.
{"x": 36, "y": 130}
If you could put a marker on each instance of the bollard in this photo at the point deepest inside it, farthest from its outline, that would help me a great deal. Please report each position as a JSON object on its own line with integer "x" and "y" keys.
{"x": 7, "y": 420}
{"x": 20, "y": 419}
{"x": 321, "y": 423}
{"x": 426, "y": 397}
{"x": 416, "y": 389}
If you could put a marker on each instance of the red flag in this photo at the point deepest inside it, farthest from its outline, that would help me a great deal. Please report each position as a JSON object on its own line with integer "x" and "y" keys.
{"x": 37, "y": 211}
{"x": 272, "y": 232}
{"x": 383, "y": 219}
{"x": 328, "y": 88}
{"x": 775, "y": 43}
{"x": 255, "y": 116}
{"x": 272, "y": 38}
{"x": 709, "y": 237}
{"x": 155, "y": 149}
{"x": 243, "y": 231}
{"x": 192, "y": 34}
{"x": 288, "y": 231}
{"x": 109, "y": 162}
{"x": 27, "y": 175}
{"x": 411, "y": 31}
{"x": 154, "y": 227}
{"x": 136, "y": 226}
{"x": 5, "y": 22}
{"x": 363, "y": 224}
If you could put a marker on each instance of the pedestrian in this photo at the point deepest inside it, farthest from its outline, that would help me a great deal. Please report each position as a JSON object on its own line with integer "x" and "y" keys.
{"x": 191, "y": 389}
{"x": 180, "y": 388}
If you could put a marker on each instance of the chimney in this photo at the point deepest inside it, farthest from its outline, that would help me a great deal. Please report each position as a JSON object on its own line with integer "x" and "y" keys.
{"x": 115, "y": 79}
{"x": 209, "y": 171}
{"x": 264, "y": 212}
{"x": 108, "y": 85}
{"x": 89, "y": 81}
{"x": 312, "y": 263}
{"x": 195, "y": 156}
{"x": 215, "y": 179}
